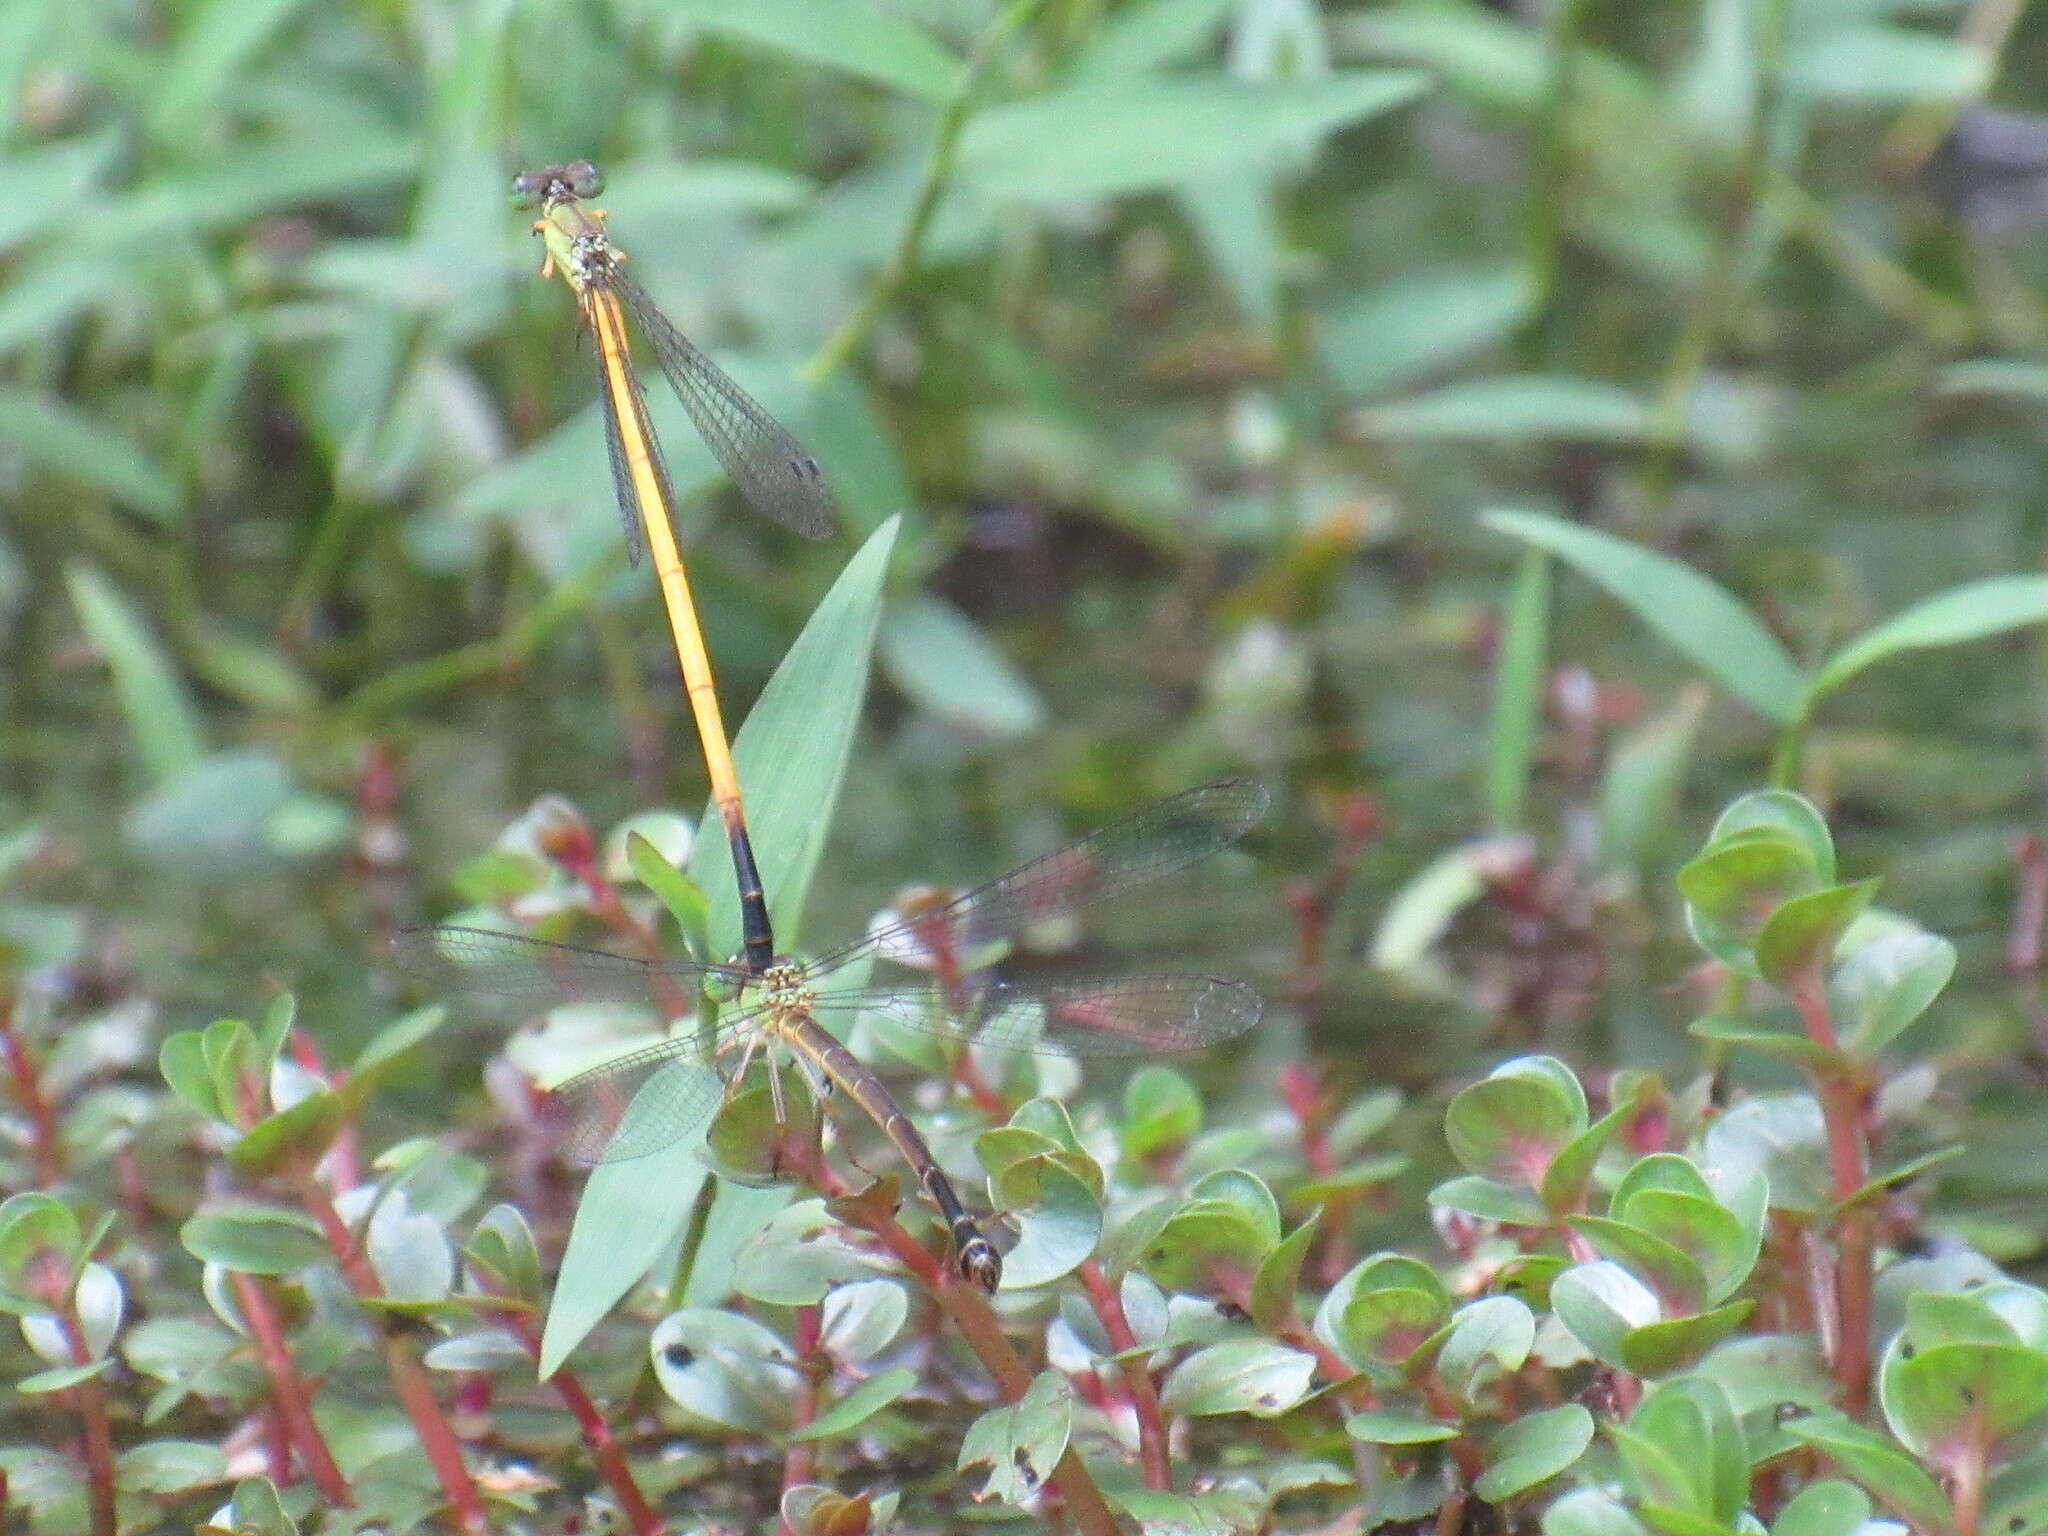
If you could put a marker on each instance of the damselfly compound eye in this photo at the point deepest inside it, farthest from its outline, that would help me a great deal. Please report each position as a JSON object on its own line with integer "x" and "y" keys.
{"x": 584, "y": 178}
{"x": 528, "y": 187}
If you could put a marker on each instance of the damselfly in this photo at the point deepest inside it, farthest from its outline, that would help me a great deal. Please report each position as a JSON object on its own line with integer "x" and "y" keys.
{"x": 649, "y": 1098}
{"x": 770, "y": 467}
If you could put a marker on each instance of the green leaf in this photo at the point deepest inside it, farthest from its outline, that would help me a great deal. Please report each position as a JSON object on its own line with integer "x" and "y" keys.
{"x": 1887, "y": 67}
{"x": 859, "y": 1405}
{"x": 1202, "y": 1242}
{"x": 1500, "y": 1330}
{"x": 1600, "y": 1304}
{"x": 862, "y": 1319}
{"x": 1970, "y": 612}
{"x": 256, "y": 1510}
{"x": 1058, "y": 1216}
{"x": 1518, "y": 692}
{"x": 61, "y": 1377}
{"x": 1103, "y": 137}
{"x": 1732, "y": 889}
{"x": 1162, "y": 1111}
{"x": 725, "y": 1369}
{"x": 1828, "y": 1508}
{"x": 1694, "y": 1420}
{"x": 299, "y": 1135}
{"x": 685, "y": 901}
{"x": 1700, "y": 618}
{"x": 1587, "y": 1512}
{"x": 1787, "y": 1045}
{"x": 1023, "y": 1441}
{"x": 791, "y": 755}
{"x": 1255, "y": 1376}
{"x": 1640, "y": 785}
{"x": 182, "y": 1061}
{"x": 163, "y": 722}
{"x": 1672, "y": 1273}
{"x": 1532, "y": 1447}
{"x": 1884, "y": 985}
{"x": 1941, "y": 1397}
{"x": 1278, "y": 1278}
{"x": 1509, "y": 1126}
{"x": 387, "y": 1045}
{"x": 850, "y": 35}
{"x": 1389, "y": 1426}
{"x": 484, "y": 1349}
{"x": 59, "y": 439}
{"x": 502, "y": 1249}
{"x": 213, "y": 43}
{"x": 254, "y": 1239}
{"x": 1138, "y": 38}
{"x": 1490, "y": 1201}
{"x": 1898, "y": 1481}
{"x": 1515, "y": 408}
{"x": 948, "y": 666}
{"x": 169, "y": 1466}
{"x": 1799, "y": 938}
{"x": 1399, "y": 332}
{"x": 1658, "y": 1349}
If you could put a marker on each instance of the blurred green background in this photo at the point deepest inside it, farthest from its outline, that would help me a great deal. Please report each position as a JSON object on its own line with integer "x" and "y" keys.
{"x": 1191, "y": 338}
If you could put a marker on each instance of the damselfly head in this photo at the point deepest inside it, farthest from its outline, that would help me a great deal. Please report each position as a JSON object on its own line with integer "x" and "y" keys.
{"x": 577, "y": 180}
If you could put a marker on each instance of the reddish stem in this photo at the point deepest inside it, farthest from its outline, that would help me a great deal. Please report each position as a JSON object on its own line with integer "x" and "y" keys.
{"x": 1109, "y": 1310}
{"x": 983, "y": 1334}
{"x": 408, "y": 1377}
{"x": 288, "y": 1390}
{"x": 597, "y": 1432}
{"x": 45, "y": 1139}
{"x": 800, "y": 1460}
{"x": 89, "y": 1397}
{"x": 1841, "y": 1107}
{"x": 1966, "y": 1482}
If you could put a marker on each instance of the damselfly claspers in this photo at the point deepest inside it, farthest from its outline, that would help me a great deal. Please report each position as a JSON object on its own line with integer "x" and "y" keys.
{"x": 649, "y": 1098}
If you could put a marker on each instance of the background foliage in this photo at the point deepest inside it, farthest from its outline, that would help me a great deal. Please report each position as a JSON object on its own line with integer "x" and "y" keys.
{"x": 1512, "y": 432}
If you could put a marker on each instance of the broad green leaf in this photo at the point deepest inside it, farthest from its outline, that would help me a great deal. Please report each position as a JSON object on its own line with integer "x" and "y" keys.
{"x": 1898, "y": 1481}
{"x": 1278, "y": 1278}
{"x": 1600, "y": 1304}
{"x": 1023, "y": 1441}
{"x": 1535, "y": 1446}
{"x": 1988, "y": 607}
{"x": 1587, "y": 1512}
{"x": 949, "y": 666}
{"x": 1104, "y": 137}
{"x": 182, "y": 1061}
{"x": 1162, "y": 1111}
{"x": 503, "y": 1255}
{"x": 725, "y": 1369}
{"x": 1255, "y": 1376}
{"x": 1886, "y": 66}
{"x": 1673, "y": 1273}
{"x": 859, "y": 1405}
{"x": 1388, "y": 1426}
{"x": 1515, "y": 408}
{"x": 850, "y": 35}
{"x": 1058, "y": 1217}
{"x": 1403, "y": 330}
{"x": 1500, "y": 1330}
{"x": 1137, "y": 38}
{"x": 484, "y": 1349}
{"x": 1942, "y": 1396}
{"x": 1490, "y": 1200}
{"x": 169, "y": 1466}
{"x": 687, "y": 904}
{"x": 1694, "y": 1420}
{"x": 1700, "y": 618}
{"x": 1518, "y": 690}
{"x": 1508, "y": 1127}
{"x": 254, "y": 1239}
{"x": 1884, "y": 985}
{"x": 59, "y": 439}
{"x": 1678, "y": 1343}
{"x": 791, "y": 754}
{"x": 163, "y": 722}
{"x": 861, "y": 1320}
{"x": 1828, "y": 1508}
{"x": 1798, "y": 939}
{"x": 1732, "y": 889}
{"x": 300, "y": 1135}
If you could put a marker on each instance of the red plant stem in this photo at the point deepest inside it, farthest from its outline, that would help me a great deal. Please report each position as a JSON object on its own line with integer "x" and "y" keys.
{"x": 1966, "y": 1483}
{"x": 596, "y": 1430}
{"x": 800, "y": 1460}
{"x": 408, "y": 1377}
{"x": 46, "y": 1141}
{"x": 1841, "y": 1107}
{"x": 288, "y": 1389}
{"x": 983, "y": 1334}
{"x": 1109, "y": 1309}
{"x": 89, "y": 1397}
{"x": 2029, "y": 908}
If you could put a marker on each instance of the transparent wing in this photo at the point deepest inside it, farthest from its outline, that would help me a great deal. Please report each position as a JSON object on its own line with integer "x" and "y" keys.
{"x": 1115, "y": 1016}
{"x": 771, "y": 468}
{"x": 611, "y": 385}
{"x": 506, "y": 965}
{"x": 634, "y": 1105}
{"x": 1165, "y": 836}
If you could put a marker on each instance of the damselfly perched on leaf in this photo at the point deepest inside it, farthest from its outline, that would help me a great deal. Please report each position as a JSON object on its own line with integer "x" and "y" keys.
{"x": 649, "y": 1098}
